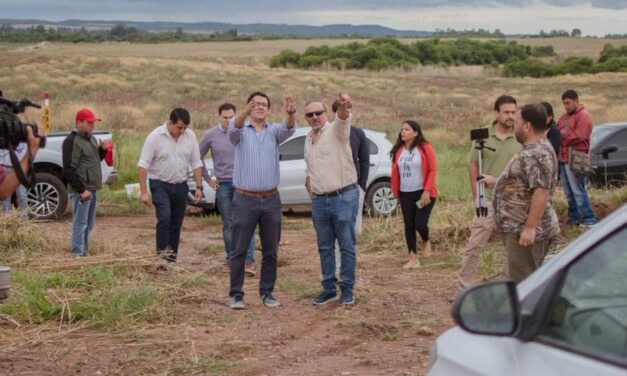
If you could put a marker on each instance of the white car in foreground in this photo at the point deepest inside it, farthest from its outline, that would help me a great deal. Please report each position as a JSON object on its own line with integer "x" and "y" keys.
{"x": 567, "y": 318}
{"x": 292, "y": 165}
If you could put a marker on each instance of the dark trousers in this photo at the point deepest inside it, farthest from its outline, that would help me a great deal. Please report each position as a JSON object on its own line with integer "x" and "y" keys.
{"x": 523, "y": 261}
{"x": 416, "y": 219}
{"x": 170, "y": 201}
{"x": 248, "y": 212}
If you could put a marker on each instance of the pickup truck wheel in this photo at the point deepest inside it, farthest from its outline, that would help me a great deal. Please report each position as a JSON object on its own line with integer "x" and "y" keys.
{"x": 379, "y": 199}
{"x": 48, "y": 198}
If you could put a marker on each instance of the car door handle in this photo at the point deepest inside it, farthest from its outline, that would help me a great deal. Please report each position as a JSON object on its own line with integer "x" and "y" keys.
{"x": 371, "y": 164}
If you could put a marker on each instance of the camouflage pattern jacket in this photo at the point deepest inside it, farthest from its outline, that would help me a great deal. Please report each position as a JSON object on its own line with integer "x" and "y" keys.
{"x": 535, "y": 166}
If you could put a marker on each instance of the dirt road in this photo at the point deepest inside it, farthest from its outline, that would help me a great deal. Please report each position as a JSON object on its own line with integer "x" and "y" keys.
{"x": 388, "y": 331}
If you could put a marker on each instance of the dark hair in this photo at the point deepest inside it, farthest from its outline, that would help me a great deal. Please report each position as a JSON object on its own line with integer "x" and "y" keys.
{"x": 226, "y": 107}
{"x": 418, "y": 141}
{"x": 570, "y": 94}
{"x": 535, "y": 114}
{"x": 549, "y": 113}
{"x": 548, "y": 108}
{"x": 260, "y": 94}
{"x": 179, "y": 114}
{"x": 503, "y": 99}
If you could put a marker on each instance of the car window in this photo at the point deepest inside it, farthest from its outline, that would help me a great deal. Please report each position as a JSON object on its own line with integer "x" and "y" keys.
{"x": 599, "y": 134}
{"x": 374, "y": 149}
{"x": 589, "y": 312}
{"x": 620, "y": 140}
{"x": 293, "y": 149}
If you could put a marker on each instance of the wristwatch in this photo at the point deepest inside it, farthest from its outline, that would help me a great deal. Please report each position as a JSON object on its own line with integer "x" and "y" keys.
{"x": 291, "y": 112}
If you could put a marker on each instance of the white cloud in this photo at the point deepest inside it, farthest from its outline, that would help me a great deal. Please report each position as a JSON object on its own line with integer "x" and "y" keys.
{"x": 509, "y": 19}
{"x": 594, "y": 17}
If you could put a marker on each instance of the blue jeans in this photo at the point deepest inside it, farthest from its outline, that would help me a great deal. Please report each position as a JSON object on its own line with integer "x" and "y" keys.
{"x": 334, "y": 219}
{"x": 21, "y": 194}
{"x": 83, "y": 218}
{"x": 579, "y": 209}
{"x": 224, "y": 198}
{"x": 170, "y": 201}
{"x": 248, "y": 212}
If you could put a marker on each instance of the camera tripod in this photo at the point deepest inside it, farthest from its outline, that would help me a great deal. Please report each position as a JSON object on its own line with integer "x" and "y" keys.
{"x": 481, "y": 209}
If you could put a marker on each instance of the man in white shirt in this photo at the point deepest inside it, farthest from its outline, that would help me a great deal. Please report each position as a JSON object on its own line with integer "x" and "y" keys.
{"x": 331, "y": 180}
{"x": 167, "y": 153}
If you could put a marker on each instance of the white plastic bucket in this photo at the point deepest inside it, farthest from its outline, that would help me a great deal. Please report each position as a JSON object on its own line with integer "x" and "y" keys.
{"x": 132, "y": 190}
{"x": 4, "y": 282}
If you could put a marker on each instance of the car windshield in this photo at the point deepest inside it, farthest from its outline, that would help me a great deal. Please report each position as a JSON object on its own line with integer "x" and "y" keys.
{"x": 599, "y": 133}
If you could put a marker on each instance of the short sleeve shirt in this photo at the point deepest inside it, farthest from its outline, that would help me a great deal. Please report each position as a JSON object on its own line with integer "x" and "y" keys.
{"x": 494, "y": 161}
{"x": 534, "y": 167}
{"x": 410, "y": 170}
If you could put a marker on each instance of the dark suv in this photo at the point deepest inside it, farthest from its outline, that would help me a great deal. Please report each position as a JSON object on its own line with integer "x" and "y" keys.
{"x": 608, "y": 154}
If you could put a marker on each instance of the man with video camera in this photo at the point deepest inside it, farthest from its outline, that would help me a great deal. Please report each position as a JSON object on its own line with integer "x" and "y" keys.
{"x": 12, "y": 132}
{"x": 500, "y": 147}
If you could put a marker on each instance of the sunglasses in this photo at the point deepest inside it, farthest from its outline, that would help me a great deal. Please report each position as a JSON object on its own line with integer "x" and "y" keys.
{"x": 311, "y": 114}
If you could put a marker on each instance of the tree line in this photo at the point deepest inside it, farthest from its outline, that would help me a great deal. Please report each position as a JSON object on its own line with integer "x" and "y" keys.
{"x": 611, "y": 59}
{"x": 515, "y": 59}
{"x": 118, "y": 33}
{"x": 383, "y": 53}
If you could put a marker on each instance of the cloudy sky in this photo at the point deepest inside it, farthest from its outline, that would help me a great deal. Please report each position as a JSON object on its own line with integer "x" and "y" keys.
{"x": 593, "y": 17}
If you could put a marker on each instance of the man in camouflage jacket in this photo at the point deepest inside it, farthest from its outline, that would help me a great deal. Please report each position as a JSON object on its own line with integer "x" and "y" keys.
{"x": 523, "y": 195}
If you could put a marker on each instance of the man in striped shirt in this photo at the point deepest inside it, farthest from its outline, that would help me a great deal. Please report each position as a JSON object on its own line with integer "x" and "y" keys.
{"x": 256, "y": 197}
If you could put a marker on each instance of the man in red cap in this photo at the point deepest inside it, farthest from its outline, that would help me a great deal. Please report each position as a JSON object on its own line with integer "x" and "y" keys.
{"x": 82, "y": 154}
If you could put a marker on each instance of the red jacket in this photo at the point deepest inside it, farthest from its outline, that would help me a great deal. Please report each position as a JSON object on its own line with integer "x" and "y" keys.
{"x": 575, "y": 129}
{"x": 429, "y": 170}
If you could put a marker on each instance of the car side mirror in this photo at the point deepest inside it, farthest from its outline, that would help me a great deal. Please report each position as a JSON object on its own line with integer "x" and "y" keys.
{"x": 489, "y": 308}
{"x": 607, "y": 150}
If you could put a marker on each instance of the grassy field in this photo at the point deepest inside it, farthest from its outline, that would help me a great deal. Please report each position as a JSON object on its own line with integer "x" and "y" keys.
{"x": 176, "y": 323}
{"x": 133, "y": 88}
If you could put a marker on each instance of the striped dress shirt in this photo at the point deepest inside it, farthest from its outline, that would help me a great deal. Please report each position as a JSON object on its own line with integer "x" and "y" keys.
{"x": 256, "y": 166}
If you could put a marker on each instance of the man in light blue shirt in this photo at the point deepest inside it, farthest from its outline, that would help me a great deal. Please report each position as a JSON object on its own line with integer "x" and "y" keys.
{"x": 256, "y": 198}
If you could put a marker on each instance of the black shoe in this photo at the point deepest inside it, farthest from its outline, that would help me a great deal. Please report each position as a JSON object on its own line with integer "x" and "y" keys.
{"x": 325, "y": 298}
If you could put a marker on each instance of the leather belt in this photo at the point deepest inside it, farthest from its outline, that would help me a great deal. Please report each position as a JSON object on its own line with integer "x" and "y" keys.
{"x": 348, "y": 188}
{"x": 261, "y": 194}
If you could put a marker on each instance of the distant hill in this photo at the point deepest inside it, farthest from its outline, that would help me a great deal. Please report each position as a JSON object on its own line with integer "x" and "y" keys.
{"x": 305, "y": 31}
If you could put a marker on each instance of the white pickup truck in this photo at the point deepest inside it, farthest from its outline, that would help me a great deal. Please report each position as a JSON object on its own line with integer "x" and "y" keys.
{"x": 48, "y": 198}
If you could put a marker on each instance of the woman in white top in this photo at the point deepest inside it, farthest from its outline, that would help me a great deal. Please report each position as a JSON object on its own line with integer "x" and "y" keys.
{"x": 414, "y": 169}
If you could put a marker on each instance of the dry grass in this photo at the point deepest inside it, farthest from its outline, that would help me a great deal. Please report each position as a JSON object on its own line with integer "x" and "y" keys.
{"x": 174, "y": 315}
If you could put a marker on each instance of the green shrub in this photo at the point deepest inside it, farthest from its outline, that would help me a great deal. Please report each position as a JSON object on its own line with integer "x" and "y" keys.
{"x": 310, "y": 61}
{"x": 542, "y": 51}
{"x": 528, "y": 68}
{"x": 609, "y": 51}
{"x": 575, "y": 65}
{"x": 613, "y": 64}
{"x": 284, "y": 59}
{"x": 377, "y": 64}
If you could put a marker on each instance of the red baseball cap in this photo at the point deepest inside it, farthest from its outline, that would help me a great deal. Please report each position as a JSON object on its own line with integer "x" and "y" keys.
{"x": 85, "y": 114}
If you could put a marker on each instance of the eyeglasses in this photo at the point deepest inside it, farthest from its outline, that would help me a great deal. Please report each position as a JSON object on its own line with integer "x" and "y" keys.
{"x": 311, "y": 114}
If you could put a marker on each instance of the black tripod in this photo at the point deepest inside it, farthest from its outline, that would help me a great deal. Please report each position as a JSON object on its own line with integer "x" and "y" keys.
{"x": 480, "y": 208}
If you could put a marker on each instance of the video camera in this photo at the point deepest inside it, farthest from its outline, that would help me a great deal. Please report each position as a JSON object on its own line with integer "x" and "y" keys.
{"x": 13, "y": 131}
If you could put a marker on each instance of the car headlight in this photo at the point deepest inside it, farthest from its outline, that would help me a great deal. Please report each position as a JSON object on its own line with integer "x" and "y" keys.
{"x": 433, "y": 355}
